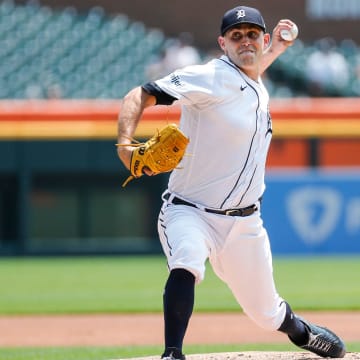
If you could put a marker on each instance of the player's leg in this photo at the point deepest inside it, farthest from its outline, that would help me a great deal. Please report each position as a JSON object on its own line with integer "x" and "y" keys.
{"x": 245, "y": 264}
{"x": 183, "y": 238}
{"x": 178, "y": 300}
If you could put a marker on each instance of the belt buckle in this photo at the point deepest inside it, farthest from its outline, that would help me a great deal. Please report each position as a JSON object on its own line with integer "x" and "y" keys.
{"x": 232, "y": 212}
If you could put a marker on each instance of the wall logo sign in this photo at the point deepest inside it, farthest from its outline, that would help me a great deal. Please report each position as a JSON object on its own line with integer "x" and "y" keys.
{"x": 314, "y": 212}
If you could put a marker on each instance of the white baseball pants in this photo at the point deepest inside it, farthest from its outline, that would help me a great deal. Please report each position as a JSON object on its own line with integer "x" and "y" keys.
{"x": 238, "y": 249}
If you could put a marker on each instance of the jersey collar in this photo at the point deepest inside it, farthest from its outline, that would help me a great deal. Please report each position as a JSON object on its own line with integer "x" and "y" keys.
{"x": 227, "y": 60}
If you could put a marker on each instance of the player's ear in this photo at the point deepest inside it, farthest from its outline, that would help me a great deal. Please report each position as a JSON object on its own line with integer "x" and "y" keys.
{"x": 267, "y": 40}
{"x": 221, "y": 42}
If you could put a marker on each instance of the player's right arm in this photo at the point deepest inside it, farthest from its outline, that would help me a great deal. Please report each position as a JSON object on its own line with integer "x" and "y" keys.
{"x": 131, "y": 110}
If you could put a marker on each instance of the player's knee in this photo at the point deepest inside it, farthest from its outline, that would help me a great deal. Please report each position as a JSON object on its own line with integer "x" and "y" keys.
{"x": 197, "y": 270}
{"x": 268, "y": 320}
{"x": 184, "y": 258}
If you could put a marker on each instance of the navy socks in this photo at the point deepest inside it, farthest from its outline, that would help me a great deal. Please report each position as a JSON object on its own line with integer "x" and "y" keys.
{"x": 293, "y": 327}
{"x": 178, "y": 306}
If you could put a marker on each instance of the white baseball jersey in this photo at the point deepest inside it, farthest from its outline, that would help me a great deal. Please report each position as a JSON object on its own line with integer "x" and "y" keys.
{"x": 225, "y": 114}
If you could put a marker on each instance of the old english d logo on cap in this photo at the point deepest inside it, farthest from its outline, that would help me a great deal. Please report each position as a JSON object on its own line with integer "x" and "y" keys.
{"x": 242, "y": 15}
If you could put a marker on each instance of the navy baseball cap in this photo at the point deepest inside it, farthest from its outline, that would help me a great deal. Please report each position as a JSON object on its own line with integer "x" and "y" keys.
{"x": 242, "y": 15}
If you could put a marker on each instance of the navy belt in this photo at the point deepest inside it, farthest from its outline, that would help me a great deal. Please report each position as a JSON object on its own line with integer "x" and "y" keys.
{"x": 246, "y": 211}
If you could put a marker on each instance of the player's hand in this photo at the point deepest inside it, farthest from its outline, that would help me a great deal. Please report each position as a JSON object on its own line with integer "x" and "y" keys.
{"x": 278, "y": 44}
{"x": 125, "y": 153}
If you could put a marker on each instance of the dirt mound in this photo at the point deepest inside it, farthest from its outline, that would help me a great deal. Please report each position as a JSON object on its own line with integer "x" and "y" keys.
{"x": 254, "y": 356}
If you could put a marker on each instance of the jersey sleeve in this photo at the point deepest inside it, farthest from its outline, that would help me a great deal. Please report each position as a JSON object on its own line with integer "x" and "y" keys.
{"x": 162, "y": 97}
{"x": 192, "y": 85}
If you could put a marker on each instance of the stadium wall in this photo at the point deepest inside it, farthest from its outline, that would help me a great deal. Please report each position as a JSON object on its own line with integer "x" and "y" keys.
{"x": 60, "y": 178}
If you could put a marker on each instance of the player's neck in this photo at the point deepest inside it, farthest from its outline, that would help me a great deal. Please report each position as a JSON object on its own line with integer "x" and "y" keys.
{"x": 253, "y": 75}
{"x": 251, "y": 71}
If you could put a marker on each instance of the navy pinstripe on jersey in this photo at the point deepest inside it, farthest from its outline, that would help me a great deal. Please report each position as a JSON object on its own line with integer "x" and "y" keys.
{"x": 227, "y": 113}
{"x": 252, "y": 141}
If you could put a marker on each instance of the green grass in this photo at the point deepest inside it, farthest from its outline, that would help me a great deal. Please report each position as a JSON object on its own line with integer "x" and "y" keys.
{"x": 99, "y": 353}
{"x": 81, "y": 285}
{"x": 135, "y": 284}
{"x": 320, "y": 283}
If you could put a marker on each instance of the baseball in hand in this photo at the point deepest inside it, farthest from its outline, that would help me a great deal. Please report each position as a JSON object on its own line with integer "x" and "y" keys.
{"x": 290, "y": 35}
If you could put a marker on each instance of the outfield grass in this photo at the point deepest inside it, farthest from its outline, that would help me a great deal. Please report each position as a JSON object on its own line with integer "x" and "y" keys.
{"x": 134, "y": 284}
{"x": 320, "y": 283}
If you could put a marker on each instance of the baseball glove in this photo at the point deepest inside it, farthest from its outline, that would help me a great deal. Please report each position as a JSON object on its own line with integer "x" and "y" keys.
{"x": 161, "y": 153}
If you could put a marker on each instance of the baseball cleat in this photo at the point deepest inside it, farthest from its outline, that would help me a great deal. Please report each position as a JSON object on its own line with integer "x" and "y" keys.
{"x": 172, "y": 353}
{"x": 322, "y": 341}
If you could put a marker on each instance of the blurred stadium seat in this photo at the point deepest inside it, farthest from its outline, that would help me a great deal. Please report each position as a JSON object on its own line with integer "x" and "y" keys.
{"x": 47, "y": 53}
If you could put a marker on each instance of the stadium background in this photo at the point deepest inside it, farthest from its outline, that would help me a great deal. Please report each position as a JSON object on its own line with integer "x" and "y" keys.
{"x": 65, "y": 66}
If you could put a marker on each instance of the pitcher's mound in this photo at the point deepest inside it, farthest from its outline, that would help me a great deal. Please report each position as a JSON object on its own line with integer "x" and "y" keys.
{"x": 253, "y": 355}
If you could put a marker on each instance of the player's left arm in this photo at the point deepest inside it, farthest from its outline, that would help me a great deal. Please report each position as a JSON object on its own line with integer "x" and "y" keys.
{"x": 277, "y": 46}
